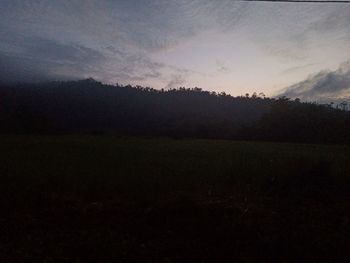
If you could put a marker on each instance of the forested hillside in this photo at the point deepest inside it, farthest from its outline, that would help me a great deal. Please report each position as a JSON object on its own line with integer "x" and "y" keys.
{"x": 88, "y": 106}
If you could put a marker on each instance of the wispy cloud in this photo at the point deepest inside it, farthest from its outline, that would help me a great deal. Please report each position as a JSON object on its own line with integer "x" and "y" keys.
{"x": 222, "y": 66}
{"x": 298, "y": 68}
{"x": 176, "y": 81}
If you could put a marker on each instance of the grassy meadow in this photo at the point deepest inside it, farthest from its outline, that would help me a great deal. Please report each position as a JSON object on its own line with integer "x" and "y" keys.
{"x": 128, "y": 199}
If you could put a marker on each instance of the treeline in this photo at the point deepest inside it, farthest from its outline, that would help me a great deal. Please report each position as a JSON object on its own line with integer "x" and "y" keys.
{"x": 88, "y": 106}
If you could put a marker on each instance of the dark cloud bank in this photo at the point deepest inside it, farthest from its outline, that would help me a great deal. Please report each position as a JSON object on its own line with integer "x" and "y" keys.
{"x": 325, "y": 86}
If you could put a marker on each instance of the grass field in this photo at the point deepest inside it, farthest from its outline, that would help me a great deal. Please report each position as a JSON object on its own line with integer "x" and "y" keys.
{"x": 105, "y": 198}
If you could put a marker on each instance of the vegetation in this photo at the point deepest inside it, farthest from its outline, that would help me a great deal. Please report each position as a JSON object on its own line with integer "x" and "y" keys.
{"x": 88, "y": 106}
{"x": 109, "y": 198}
{"x": 100, "y": 173}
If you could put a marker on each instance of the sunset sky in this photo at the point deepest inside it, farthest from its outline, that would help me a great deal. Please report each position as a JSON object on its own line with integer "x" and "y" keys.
{"x": 232, "y": 46}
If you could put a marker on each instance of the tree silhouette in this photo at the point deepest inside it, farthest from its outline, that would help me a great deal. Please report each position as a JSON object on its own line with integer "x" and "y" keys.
{"x": 88, "y": 106}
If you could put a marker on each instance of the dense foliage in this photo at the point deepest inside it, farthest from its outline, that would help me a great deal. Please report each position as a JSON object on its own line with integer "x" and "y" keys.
{"x": 88, "y": 106}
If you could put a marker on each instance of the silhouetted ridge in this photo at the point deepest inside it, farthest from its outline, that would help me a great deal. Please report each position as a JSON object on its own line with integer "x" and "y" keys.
{"x": 89, "y": 106}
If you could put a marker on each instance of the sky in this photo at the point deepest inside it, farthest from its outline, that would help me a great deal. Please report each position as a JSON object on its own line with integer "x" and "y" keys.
{"x": 293, "y": 49}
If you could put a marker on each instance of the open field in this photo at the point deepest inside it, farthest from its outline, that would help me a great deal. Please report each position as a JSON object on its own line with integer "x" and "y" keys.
{"x": 104, "y": 198}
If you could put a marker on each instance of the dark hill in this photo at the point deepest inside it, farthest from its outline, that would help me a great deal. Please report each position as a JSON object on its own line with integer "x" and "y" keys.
{"x": 88, "y": 106}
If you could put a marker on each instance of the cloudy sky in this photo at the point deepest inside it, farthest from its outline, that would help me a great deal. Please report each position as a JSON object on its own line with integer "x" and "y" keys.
{"x": 300, "y": 49}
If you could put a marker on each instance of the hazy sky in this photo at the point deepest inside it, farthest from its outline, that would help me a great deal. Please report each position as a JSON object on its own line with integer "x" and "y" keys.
{"x": 226, "y": 45}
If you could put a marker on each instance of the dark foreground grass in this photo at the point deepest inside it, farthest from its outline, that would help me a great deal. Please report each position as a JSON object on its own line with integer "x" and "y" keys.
{"x": 103, "y": 199}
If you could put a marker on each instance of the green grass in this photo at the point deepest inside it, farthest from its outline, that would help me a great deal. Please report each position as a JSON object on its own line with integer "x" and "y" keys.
{"x": 102, "y": 198}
